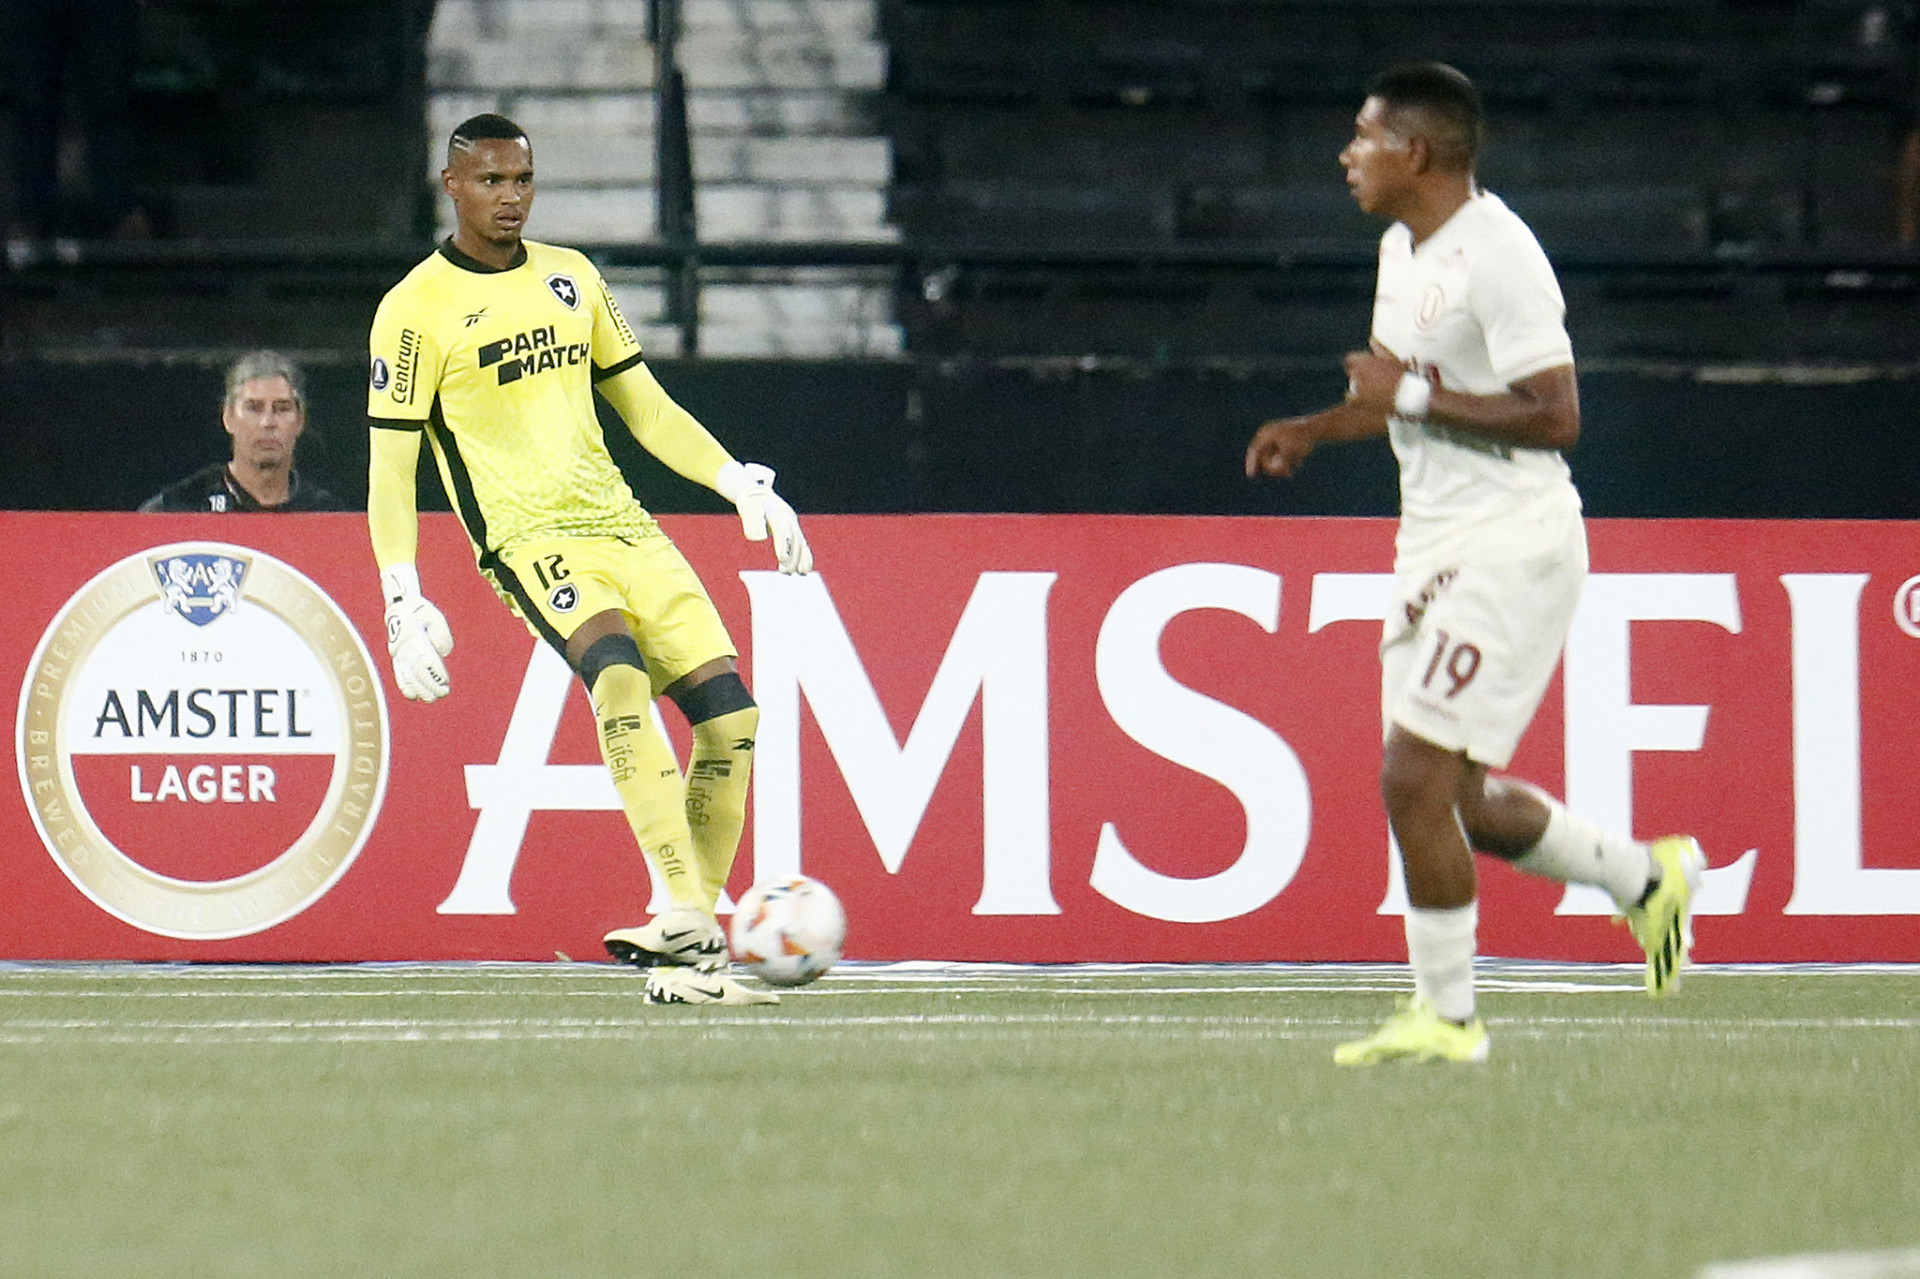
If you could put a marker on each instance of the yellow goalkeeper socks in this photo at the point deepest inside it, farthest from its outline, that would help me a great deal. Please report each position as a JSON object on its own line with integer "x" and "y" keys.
{"x": 717, "y": 777}
{"x": 647, "y": 776}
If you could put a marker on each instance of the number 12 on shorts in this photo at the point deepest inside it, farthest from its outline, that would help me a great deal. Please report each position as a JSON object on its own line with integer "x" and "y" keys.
{"x": 550, "y": 569}
{"x": 1459, "y": 663}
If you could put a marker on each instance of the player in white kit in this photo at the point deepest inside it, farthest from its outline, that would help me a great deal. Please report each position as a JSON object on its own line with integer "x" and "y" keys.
{"x": 1470, "y": 373}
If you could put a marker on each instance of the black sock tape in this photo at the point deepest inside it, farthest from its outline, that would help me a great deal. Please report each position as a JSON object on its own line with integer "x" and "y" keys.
{"x": 609, "y": 650}
{"x": 710, "y": 699}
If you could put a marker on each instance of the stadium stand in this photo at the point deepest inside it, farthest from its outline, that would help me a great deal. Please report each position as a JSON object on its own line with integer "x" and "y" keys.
{"x": 1004, "y": 226}
{"x": 1623, "y": 129}
{"x": 783, "y": 148}
{"x": 275, "y": 148}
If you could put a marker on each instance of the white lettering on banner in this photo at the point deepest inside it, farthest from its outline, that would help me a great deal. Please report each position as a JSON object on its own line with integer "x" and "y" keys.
{"x": 1605, "y": 727}
{"x": 1906, "y": 607}
{"x": 520, "y": 782}
{"x": 998, "y": 652}
{"x": 1828, "y": 877}
{"x": 1362, "y": 597}
{"x": 259, "y": 784}
{"x": 507, "y": 792}
{"x": 1208, "y": 737}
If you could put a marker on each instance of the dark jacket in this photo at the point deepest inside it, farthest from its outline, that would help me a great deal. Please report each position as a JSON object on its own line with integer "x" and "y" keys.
{"x": 214, "y": 489}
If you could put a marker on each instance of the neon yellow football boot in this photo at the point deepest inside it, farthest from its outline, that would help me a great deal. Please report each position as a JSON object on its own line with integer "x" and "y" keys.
{"x": 1662, "y": 923}
{"x": 1416, "y": 1033}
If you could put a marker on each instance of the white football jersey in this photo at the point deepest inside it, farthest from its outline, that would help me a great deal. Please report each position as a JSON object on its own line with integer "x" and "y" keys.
{"x": 1478, "y": 301}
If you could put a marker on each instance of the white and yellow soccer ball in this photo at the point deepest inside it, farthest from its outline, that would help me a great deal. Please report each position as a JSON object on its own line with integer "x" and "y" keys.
{"x": 788, "y": 931}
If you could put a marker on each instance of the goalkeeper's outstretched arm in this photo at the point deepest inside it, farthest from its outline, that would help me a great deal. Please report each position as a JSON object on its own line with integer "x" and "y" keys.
{"x": 662, "y": 427}
{"x": 676, "y": 437}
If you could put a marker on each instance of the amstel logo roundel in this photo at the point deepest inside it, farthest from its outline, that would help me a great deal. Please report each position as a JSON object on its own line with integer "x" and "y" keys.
{"x": 202, "y": 741}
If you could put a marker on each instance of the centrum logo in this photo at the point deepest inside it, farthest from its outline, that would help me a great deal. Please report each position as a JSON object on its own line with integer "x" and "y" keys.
{"x": 202, "y": 741}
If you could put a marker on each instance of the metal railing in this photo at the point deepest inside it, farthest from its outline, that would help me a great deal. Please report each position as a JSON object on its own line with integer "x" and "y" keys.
{"x": 673, "y": 168}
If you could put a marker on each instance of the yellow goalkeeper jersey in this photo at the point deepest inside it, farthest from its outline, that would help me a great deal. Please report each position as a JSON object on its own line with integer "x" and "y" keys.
{"x": 497, "y": 367}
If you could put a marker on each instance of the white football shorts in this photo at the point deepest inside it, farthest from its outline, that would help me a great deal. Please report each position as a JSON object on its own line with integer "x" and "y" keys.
{"x": 1476, "y": 632}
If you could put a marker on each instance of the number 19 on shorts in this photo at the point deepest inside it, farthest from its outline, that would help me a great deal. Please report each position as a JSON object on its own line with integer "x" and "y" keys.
{"x": 1453, "y": 665}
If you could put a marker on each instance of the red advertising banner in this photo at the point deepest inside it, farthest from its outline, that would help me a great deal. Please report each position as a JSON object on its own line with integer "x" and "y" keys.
{"x": 1037, "y": 738}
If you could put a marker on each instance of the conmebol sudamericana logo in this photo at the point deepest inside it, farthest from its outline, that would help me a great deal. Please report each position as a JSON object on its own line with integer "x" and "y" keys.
{"x": 202, "y": 741}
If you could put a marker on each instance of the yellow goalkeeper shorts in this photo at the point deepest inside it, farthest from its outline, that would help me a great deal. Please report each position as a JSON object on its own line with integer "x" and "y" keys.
{"x": 555, "y": 584}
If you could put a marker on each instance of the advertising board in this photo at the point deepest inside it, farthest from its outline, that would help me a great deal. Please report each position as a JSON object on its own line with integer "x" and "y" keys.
{"x": 1034, "y": 738}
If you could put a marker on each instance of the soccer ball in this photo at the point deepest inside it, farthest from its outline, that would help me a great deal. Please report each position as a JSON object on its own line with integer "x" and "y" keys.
{"x": 788, "y": 931}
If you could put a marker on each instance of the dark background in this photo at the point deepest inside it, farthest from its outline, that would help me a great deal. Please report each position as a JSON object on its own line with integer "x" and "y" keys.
{"x": 1124, "y": 245}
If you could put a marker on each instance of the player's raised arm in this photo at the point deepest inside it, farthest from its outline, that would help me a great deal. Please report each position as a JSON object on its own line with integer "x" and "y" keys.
{"x": 676, "y": 437}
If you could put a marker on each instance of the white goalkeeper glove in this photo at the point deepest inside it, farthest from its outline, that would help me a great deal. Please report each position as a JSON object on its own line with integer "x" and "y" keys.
{"x": 417, "y": 636}
{"x": 763, "y": 512}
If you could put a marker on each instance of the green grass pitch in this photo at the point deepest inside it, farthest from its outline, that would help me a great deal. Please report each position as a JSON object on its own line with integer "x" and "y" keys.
{"x": 540, "y": 1120}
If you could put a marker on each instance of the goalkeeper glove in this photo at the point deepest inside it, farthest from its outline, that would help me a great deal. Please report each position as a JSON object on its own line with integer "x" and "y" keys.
{"x": 417, "y": 636}
{"x": 749, "y": 487}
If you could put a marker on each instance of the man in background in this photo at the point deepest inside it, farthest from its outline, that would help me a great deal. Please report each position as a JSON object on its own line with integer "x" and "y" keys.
{"x": 265, "y": 412}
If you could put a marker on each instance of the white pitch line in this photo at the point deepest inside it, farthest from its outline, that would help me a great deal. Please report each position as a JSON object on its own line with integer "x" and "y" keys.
{"x": 119, "y": 982}
{"x": 828, "y": 988}
{"x": 930, "y": 972}
{"x": 667, "y": 1018}
{"x": 1903, "y": 1264}
{"x": 931, "y": 1026}
{"x": 678, "y": 1022}
{"x": 627, "y": 986}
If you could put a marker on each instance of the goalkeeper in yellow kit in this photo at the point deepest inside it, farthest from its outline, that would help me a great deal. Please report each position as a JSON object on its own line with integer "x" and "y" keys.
{"x": 492, "y": 350}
